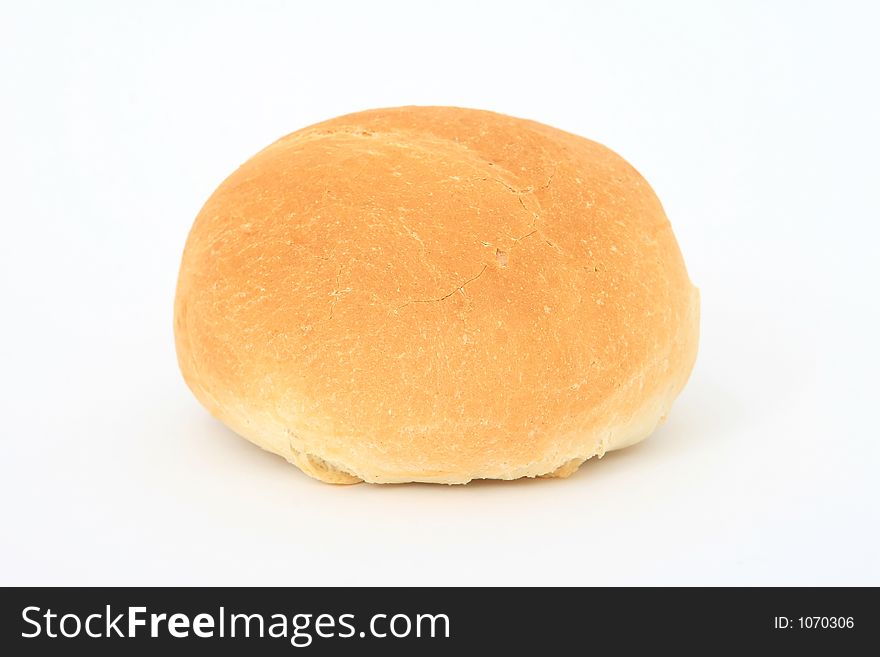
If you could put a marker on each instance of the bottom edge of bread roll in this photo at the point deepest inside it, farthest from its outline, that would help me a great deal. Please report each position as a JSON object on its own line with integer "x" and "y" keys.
{"x": 272, "y": 437}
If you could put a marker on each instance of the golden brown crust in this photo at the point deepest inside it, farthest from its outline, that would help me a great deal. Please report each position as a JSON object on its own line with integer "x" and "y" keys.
{"x": 435, "y": 294}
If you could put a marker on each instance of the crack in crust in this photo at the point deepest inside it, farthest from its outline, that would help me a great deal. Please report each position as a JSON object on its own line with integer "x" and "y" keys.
{"x": 460, "y": 288}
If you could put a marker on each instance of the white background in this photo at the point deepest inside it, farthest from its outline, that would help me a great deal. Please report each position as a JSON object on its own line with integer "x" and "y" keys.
{"x": 757, "y": 125}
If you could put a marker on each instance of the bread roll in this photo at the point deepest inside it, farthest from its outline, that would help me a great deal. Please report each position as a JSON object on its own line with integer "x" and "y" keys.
{"x": 435, "y": 294}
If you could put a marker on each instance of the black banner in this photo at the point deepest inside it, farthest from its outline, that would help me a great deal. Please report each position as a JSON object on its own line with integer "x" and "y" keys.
{"x": 113, "y": 621}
